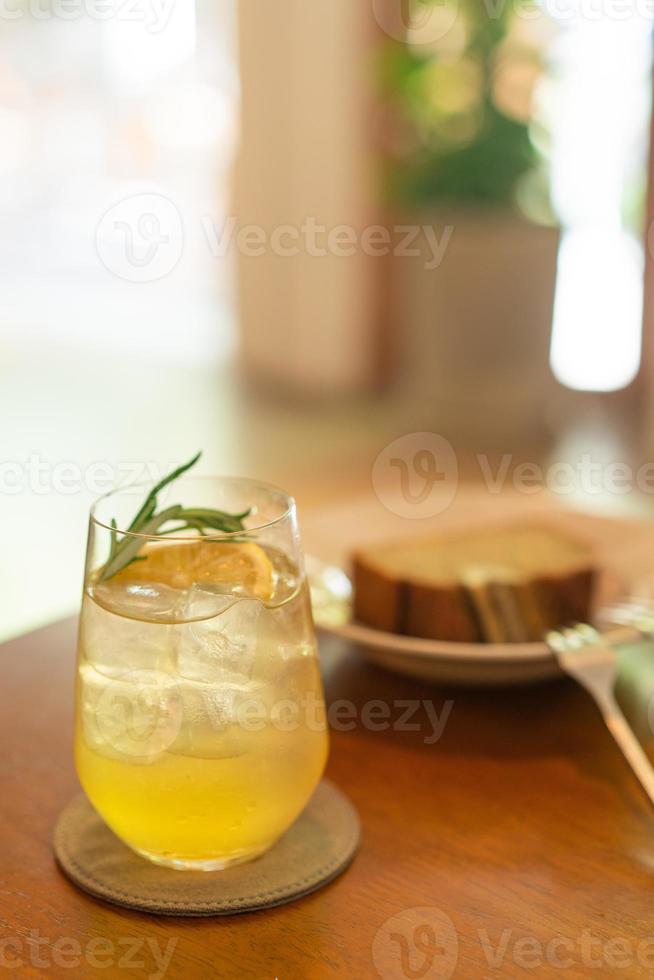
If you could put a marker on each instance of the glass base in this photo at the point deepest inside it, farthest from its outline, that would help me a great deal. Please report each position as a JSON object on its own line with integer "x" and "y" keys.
{"x": 210, "y": 864}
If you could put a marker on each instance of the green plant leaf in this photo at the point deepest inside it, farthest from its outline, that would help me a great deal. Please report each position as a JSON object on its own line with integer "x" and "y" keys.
{"x": 148, "y": 523}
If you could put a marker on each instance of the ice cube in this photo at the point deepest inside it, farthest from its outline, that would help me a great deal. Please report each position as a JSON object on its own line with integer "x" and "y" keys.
{"x": 222, "y": 647}
{"x": 148, "y": 601}
{"x": 114, "y": 644}
{"x": 136, "y": 717}
{"x": 211, "y": 727}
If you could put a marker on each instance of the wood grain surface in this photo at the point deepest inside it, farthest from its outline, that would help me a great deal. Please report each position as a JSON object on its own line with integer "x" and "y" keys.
{"x": 520, "y": 837}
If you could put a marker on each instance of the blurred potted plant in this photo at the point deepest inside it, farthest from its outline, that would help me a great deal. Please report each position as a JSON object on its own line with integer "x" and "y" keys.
{"x": 465, "y": 152}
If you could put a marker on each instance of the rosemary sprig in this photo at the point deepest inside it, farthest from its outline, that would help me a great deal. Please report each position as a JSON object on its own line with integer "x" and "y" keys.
{"x": 124, "y": 549}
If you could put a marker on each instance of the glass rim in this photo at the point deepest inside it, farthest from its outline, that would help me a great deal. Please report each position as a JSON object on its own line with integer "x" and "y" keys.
{"x": 287, "y": 499}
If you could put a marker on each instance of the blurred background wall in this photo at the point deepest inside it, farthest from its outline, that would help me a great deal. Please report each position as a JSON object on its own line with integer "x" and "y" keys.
{"x": 289, "y": 233}
{"x": 310, "y": 317}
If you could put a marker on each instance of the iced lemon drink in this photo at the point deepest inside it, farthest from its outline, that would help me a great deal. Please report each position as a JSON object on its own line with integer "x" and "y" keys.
{"x": 200, "y": 731}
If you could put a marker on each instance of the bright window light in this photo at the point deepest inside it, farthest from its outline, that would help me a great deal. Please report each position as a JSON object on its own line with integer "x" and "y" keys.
{"x": 142, "y": 51}
{"x": 600, "y": 116}
{"x": 598, "y": 309}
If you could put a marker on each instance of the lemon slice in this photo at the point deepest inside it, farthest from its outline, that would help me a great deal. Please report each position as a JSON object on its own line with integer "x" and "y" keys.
{"x": 242, "y": 566}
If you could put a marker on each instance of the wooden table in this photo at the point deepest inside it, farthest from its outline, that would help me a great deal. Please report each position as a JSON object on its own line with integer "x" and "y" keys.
{"x": 521, "y": 834}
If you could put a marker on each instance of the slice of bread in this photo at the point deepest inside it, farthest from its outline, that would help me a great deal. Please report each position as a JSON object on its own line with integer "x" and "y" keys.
{"x": 492, "y": 585}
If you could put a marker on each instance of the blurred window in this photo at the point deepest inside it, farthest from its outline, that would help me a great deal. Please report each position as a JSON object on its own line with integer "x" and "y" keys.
{"x": 599, "y": 109}
{"x": 100, "y": 102}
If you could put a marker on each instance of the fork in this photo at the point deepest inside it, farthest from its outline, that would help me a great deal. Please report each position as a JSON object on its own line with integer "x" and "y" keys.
{"x": 589, "y": 657}
{"x": 632, "y": 612}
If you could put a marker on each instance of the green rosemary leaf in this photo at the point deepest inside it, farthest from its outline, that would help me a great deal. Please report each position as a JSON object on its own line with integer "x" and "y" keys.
{"x": 114, "y": 537}
{"x": 218, "y": 520}
{"x": 125, "y": 549}
{"x": 129, "y": 546}
{"x": 136, "y": 558}
{"x": 150, "y": 502}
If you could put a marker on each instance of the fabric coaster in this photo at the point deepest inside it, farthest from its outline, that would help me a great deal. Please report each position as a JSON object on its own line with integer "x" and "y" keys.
{"x": 319, "y": 846}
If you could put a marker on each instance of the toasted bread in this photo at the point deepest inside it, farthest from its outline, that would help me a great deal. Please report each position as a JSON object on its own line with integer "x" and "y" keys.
{"x": 493, "y": 585}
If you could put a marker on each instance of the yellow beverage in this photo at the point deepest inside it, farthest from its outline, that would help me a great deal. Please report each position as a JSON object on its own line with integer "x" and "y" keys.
{"x": 200, "y": 731}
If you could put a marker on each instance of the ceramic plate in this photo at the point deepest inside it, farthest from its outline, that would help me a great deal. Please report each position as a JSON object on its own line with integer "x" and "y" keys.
{"x": 623, "y": 546}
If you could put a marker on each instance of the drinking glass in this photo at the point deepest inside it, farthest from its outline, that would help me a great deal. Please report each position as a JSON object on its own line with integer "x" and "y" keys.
{"x": 200, "y": 728}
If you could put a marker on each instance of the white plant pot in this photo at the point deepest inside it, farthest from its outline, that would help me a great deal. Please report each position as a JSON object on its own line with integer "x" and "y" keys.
{"x": 474, "y": 333}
